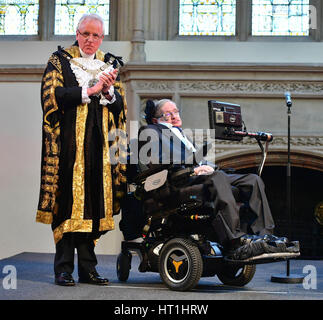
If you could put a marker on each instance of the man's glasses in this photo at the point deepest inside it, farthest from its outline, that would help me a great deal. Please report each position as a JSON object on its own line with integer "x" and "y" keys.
{"x": 169, "y": 115}
{"x": 87, "y": 35}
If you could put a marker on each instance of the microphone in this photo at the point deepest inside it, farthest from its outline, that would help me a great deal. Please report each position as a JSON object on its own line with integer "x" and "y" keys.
{"x": 288, "y": 99}
{"x": 264, "y": 136}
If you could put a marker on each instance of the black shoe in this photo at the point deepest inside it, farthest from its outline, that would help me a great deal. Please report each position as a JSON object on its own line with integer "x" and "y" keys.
{"x": 246, "y": 251}
{"x": 262, "y": 250}
{"x": 247, "y": 239}
{"x": 282, "y": 247}
{"x": 93, "y": 278}
{"x": 272, "y": 238}
{"x": 267, "y": 238}
{"x": 281, "y": 244}
{"x": 64, "y": 279}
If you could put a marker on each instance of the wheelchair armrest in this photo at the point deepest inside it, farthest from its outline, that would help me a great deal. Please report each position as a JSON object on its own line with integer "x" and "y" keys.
{"x": 181, "y": 175}
{"x": 141, "y": 177}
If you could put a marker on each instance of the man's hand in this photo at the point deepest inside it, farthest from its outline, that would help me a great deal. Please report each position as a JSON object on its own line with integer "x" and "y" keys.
{"x": 97, "y": 88}
{"x": 203, "y": 170}
{"x": 108, "y": 80}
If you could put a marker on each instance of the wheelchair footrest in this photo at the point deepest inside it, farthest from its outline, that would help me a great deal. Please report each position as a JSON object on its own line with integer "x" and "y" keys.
{"x": 265, "y": 258}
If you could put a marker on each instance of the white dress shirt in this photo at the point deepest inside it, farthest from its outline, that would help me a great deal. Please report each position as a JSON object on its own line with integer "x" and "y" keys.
{"x": 180, "y": 135}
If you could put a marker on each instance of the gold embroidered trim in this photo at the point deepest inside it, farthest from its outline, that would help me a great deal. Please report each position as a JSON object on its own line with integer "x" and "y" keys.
{"x": 119, "y": 171}
{"x": 99, "y": 55}
{"x": 52, "y": 80}
{"x": 54, "y": 161}
{"x": 72, "y": 225}
{"x": 54, "y": 60}
{"x": 49, "y": 174}
{"x": 79, "y": 167}
{"x": 107, "y": 223}
{"x": 74, "y": 51}
{"x": 44, "y": 217}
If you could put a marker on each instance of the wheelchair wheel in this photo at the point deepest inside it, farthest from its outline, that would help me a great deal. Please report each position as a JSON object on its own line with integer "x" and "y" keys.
{"x": 123, "y": 266}
{"x": 237, "y": 275}
{"x": 180, "y": 264}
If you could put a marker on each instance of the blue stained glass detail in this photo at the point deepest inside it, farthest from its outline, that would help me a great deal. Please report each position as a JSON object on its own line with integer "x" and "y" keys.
{"x": 280, "y": 17}
{"x": 207, "y": 18}
{"x": 68, "y": 13}
{"x": 19, "y": 17}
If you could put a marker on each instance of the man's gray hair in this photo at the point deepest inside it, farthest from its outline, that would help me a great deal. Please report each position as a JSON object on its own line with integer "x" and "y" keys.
{"x": 159, "y": 104}
{"x": 90, "y": 16}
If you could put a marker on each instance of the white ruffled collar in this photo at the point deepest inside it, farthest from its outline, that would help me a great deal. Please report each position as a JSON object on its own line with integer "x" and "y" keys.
{"x": 88, "y": 70}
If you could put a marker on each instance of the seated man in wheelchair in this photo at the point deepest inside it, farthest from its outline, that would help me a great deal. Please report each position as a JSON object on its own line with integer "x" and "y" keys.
{"x": 242, "y": 236}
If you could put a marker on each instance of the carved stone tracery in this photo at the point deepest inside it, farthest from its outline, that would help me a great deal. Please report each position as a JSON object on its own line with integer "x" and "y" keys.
{"x": 232, "y": 87}
{"x": 250, "y": 87}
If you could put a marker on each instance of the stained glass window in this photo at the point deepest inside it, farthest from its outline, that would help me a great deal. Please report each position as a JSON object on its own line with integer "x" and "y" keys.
{"x": 19, "y": 17}
{"x": 280, "y": 17}
{"x": 68, "y": 13}
{"x": 207, "y": 18}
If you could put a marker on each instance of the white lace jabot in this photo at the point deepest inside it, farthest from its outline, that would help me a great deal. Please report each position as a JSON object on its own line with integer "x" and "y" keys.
{"x": 87, "y": 70}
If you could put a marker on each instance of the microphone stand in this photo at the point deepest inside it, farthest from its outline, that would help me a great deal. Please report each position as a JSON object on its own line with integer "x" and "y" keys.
{"x": 288, "y": 278}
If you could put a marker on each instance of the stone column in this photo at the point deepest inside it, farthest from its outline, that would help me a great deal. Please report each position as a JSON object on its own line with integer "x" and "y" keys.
{"x": 138, "y": 39}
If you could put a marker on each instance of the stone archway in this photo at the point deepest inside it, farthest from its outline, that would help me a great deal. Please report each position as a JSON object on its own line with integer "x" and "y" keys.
{"x": 277, "y": 157}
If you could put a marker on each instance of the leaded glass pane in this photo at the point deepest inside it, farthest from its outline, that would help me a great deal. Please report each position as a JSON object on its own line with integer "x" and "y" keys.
{"x": 280, "y": 18}
{"x": 19, "y": 17}
{"x": 207, "y": 18}
{"x": 68, "y": 14}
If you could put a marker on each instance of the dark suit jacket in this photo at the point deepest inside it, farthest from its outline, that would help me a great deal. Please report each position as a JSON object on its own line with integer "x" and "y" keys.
{"x": 157, "y": 144}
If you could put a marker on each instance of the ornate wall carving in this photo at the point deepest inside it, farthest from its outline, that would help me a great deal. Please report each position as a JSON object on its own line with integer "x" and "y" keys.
{"x": 231, "y": 87}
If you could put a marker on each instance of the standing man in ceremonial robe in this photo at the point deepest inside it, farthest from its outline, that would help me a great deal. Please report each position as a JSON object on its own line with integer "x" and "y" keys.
{"x": 83, "y": 103}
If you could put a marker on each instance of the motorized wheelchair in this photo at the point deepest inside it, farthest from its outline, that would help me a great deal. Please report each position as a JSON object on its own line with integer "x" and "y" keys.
{"x": 183, "y": 257}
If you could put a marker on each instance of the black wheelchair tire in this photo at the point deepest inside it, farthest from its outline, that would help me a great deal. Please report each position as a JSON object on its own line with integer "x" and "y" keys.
{"x": 123, "y": 266}
{"x": 190, "y": 262}
{"x": 237, "y": 275}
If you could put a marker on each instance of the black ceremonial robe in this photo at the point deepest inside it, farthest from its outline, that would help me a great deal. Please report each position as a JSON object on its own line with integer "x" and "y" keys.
{"x": 80, "y": 188}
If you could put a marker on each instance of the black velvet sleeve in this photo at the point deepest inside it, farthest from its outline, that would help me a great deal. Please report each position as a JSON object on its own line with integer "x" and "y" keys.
{"x": 117, "y": 106}
{"x": 68, "y": 97}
